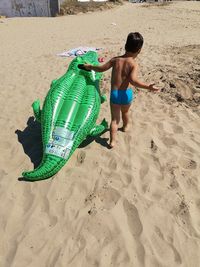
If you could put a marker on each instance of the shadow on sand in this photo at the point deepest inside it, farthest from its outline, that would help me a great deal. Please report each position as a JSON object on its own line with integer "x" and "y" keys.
{"x": 98, "y": 139}
{"x": 31, "y": 140}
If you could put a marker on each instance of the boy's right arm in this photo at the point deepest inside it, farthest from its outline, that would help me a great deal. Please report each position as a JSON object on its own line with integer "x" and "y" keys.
{"x": 136, "y": 82}
{"x": 100, "y": 68}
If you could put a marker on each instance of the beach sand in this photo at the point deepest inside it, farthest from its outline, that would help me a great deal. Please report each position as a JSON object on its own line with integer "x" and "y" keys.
{"x": 135, "y": 205}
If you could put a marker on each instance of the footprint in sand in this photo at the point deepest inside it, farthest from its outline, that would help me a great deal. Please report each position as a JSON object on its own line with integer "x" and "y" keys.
{"x": 133, "y": 218}
{"x": 186, "y": 148}
{"x": 144, "y": 169}
{"x": 177, "y": 129}
{"x": 2, "y": 174}
{"x": 135, "y": 227}
{"x": 127, "y": 139}
{"x": 127, "y": 179}
{"x": 187, "y": 163}
{"x": 112, "y": 164}
{"x": 154, "y": 147}
{"x": 169, "y": 141}
{"x": 81, "y": 157}
{"x": 198, "y": 203}
{"x": 174, "y": 184}
{"x": 167, "y": 244}
{"x": 159, "y": 125}
{"x": 109, "y": 197}
{"x": 184, "y": 90}
{"x": 47, "y": 209}
{"x": 28, "y": 198}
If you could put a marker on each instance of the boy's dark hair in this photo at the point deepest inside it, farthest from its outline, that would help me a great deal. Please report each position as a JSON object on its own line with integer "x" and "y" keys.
{"x": 134, "y": 42}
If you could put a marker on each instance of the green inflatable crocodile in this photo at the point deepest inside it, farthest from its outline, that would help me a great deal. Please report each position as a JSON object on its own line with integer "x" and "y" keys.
{"x": 68, "y": 116}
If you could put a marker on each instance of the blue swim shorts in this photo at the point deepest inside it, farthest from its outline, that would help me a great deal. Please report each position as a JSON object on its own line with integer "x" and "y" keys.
{"x": 122, "y": 97}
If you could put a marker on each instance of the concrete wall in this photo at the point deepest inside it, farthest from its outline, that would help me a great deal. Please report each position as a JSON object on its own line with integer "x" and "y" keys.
{"x": 28, "y": 8}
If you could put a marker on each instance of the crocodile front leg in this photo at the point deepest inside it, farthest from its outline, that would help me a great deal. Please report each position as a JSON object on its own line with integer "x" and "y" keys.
{"x": 103, "y": 98}
{"x": 99, "y": 128}
{"x": 37, "y": 110}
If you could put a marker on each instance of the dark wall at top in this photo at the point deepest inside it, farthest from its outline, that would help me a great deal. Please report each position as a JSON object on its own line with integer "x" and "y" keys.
{"x": 29, "y": 8}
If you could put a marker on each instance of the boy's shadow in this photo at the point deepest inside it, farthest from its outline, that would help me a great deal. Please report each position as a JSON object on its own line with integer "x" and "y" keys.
{"x": 98, "y": 139}
{"x": 31, "y": 140}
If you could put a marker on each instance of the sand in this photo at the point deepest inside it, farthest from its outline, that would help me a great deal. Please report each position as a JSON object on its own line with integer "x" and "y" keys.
{"x": 136, "y": 205}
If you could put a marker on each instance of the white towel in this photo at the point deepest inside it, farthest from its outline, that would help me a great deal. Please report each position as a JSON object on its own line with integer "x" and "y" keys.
{"x": 81, "y": 50}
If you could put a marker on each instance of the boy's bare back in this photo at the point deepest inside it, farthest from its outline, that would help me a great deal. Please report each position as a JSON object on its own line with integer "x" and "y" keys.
{"x": 122, "y": 67}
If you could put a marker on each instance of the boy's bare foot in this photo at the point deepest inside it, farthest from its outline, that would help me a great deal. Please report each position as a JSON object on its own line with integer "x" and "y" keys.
{"x": 112, "y": 144}
{"x": 125, "y": 128}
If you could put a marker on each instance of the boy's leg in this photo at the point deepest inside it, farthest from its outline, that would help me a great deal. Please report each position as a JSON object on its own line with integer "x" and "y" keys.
{"x": 125, "y": 116}
{"x": 115, "y": 118}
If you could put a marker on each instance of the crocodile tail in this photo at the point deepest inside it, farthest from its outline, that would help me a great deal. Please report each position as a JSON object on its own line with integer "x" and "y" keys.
{"x": 49, "y": 166}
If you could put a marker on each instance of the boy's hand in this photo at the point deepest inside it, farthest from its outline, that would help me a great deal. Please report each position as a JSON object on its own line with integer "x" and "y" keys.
{"x": 86, "y": 67}
{"x": 153, "y": 88}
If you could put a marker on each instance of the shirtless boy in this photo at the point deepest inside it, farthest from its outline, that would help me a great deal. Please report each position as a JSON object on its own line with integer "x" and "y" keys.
{"x": 124, "y": 74}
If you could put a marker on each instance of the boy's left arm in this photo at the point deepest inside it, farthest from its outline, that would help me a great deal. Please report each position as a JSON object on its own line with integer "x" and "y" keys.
{"x": 136, "y": 82}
